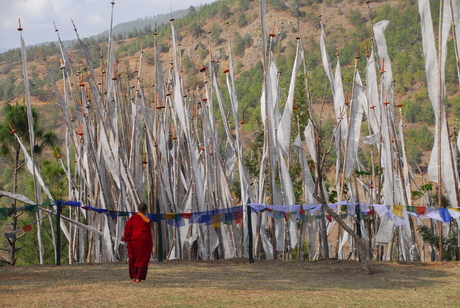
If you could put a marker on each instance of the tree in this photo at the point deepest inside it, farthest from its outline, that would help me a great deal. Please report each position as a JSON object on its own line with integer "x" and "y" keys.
{"x": 224, "y": 11}
{"x": 216, "y": 30}
{"x": 15, "y": 123}
{"x": 243, "y": 5}
{"x": 55, "y": 178}
{"x": 320, "y": 195}
{"x": 277, "y": 5}
{"x": 195, "y": 29}
{"x": 191, "y": 12}
{"x": 241, "y": 20}
{"x": 240, "y": 43}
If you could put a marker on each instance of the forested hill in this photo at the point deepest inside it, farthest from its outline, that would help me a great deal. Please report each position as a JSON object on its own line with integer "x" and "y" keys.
{"x": 203, "y": 33}
{"x": 130, "y": 28}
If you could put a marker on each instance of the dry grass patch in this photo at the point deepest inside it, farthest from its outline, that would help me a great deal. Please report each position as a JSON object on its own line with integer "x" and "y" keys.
{"x": 233, "y": 283}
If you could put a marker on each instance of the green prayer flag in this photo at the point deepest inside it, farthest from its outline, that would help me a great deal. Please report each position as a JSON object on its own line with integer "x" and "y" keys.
{"x": 6, "y": 212}
{"x": 3, "y": 214}
{"x": 278, "y": 214}
{"x": 303, "y": 217}
{"x": 48, "y": 202}
{"x": 31, "y": 208}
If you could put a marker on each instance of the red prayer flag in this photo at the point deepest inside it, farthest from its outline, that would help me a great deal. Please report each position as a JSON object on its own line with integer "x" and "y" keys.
{"x": 329, "y": 217}
{"x": 187, "y": 215}
{"x": 370, "y": 212}
{"x": 27, "y": 228}
{"x": 238, "y": 216}
{"x": 421, "y": 210}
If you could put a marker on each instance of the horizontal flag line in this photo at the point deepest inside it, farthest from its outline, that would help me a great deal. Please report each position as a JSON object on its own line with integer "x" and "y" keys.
{"x": 226, "y": 216}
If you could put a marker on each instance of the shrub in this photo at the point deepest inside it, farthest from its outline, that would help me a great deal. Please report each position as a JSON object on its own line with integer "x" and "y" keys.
{"x": 422, "y": 137}
{"x": 449, "y": 247}
{"x": 419, "y": 110}
{"x": 414, "y": 155}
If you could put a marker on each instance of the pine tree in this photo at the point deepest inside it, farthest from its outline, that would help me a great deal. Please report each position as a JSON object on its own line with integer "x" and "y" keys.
{"x": 15, "y": 123}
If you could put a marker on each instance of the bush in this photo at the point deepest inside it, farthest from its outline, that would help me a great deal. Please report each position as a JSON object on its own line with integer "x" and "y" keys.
{"x": 453, "y": 104}
{"x": 422, "y": 137}
{"x": 277, "y": 5}
{"x": 419, "y": 110}
{"x": 241, "y": 20}
{"x": 216, "y": 30}
{"x": 241, "y": 43}
{"x": 414, "y": 155}
{"x": 195, "y": 29}
{"x": 449, "y": 247}
{"x": 355, "y": 17}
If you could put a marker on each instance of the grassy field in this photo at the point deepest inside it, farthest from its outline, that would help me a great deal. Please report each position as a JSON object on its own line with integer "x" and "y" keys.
{"x": 233, "y": 283}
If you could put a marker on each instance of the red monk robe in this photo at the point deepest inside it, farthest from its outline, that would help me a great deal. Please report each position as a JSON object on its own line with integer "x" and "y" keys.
{"x": 138, "y": 235}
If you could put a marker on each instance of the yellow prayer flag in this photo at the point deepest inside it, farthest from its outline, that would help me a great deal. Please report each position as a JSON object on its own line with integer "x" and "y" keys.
{"x": 398, "y": 209}
{"x": 216, "y": 220}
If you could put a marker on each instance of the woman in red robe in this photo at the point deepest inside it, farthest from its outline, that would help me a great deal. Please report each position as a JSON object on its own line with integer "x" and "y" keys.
{"x": 138, "y": 235}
